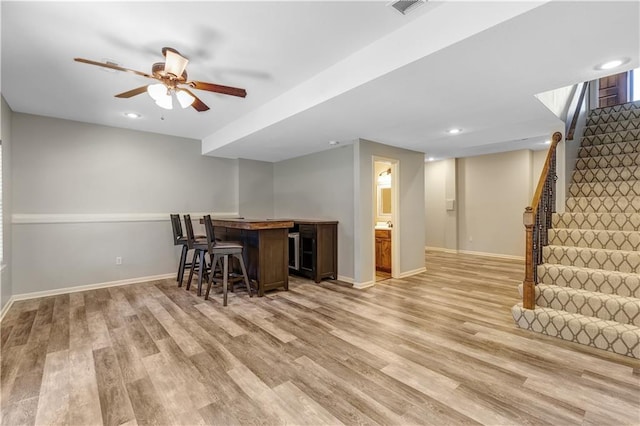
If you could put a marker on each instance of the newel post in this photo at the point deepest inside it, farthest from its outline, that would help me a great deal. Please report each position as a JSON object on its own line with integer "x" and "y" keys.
{"x": 528, "y": 286}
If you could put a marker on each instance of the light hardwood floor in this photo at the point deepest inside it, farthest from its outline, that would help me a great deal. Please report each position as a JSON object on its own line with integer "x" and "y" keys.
{"x": 438, "y": 348}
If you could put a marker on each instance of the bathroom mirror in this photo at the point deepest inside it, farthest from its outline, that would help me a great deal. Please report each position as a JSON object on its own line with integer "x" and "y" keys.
{"x": 384, "y": 201}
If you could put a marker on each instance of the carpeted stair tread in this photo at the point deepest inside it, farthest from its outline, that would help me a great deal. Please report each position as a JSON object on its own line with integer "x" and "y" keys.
{"x": 608, "y": 221}
{"x": 595, "y": 238}
{"x": 608, "y": 174}
{"x": 612, "y": 127}
{"x": 629, "y": 147}
{"x": 605, "y": 189}
{"x": 600, "y": 280}
{"x": 609, "y": 307}
{"x": 613, "y": 109}
{"x": 614, "y": 116}
{"x": 612, "y": 336}
{"x": 619, "y": 204}
{"x": 610, "y": 260}
{"x": 612, "y": 137}
{"x": 588, "y": 286}
{"x": 605, "y": 161}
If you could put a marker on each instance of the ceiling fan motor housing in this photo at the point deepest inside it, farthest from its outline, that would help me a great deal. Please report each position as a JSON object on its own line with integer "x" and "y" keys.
{"x": 157, "y": 70}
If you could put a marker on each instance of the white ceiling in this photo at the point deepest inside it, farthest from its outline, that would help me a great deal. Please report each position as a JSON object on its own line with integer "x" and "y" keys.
{"x": 319, "y": 71}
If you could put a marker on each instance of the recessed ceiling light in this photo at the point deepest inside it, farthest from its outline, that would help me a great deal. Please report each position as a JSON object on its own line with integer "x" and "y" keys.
{"x": 132, "y": 115}
{"x": 612, "y": 64}
{"x": 333, "y": 143}
{"x": 430, "y": 159}
{"x": 547, "y": 142}
{"x": 454, "y": 131}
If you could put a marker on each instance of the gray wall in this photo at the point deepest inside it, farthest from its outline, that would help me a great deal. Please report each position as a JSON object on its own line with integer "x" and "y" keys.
{"x": 441, "y": 225}
{"x": 494, "y": 189}
{"x": 63, "y": 168}
{"x": 411, "y": 225}
{"x": 492, "y": 192}
{"x": 434, "y": 200}
{"x": 320, "y": 186}
{"x": 6, "y": 290}
{"x": 255, "y": 189}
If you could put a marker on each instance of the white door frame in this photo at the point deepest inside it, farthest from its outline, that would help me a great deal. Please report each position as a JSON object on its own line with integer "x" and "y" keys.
{"x": 395, "y": 214}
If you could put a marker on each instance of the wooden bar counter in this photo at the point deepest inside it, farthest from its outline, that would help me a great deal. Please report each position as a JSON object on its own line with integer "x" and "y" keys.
{"x": 266, "y": 249}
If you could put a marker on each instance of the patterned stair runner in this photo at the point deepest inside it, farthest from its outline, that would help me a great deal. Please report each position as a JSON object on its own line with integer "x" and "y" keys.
{"x": 588, "y": 288}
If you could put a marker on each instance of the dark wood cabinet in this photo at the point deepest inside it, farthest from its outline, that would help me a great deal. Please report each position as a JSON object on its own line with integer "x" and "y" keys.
{"x": 318, "y": 249}
{"x": 383, "y": 250}
{"x": 265, "y": 252}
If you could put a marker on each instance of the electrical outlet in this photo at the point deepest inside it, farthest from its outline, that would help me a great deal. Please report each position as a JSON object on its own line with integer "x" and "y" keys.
{"x": 470, "y": 239}
{"x": 118, "y": 260}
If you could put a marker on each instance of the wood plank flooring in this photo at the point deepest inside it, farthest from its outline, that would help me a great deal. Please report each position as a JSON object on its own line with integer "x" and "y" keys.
{"x": 438, "y": 348}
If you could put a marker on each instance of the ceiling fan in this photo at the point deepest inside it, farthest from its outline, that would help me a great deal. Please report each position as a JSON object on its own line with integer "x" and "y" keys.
{"x": 172, "y": 75}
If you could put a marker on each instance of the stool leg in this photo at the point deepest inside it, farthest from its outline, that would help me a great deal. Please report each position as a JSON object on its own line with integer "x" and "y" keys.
{"x": 194, "y": 263}
{"x": 225, "y": 278}
{"x": 244, "y": 274}
{"x": 202, "y": 266}
{"x": 183, "y": 261}
{"x": 214, "y": 262}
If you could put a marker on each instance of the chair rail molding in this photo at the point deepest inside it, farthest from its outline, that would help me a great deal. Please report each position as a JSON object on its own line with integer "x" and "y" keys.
{"x": 56, "y": 218}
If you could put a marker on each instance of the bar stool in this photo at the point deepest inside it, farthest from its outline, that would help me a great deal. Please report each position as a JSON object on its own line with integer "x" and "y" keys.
{"x": 220, "y": 252}
{"x": 180, "y": 240}
{"x": 199, "y": 247}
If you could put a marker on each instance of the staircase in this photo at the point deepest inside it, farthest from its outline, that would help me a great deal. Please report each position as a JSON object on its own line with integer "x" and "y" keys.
{"x": 588, "y": 288}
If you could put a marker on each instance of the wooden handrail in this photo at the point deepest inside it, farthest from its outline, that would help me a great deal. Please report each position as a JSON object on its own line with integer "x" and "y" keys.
{"x": 557, "y": 137}
{"x": 574, "y": 121}
{"x": 536, "y": 226}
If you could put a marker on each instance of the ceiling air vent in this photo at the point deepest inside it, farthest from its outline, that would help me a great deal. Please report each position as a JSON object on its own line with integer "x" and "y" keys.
{"x": 406, "y": 6}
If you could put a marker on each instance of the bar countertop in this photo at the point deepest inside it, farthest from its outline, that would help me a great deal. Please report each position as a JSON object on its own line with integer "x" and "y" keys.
{"x": 253, "y": 224}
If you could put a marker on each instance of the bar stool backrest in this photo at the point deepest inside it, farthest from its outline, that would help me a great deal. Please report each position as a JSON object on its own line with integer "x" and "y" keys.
{"x": 189, "y": 227}
{"x": 177, "y": 229}
{"x": 211, "y": 235}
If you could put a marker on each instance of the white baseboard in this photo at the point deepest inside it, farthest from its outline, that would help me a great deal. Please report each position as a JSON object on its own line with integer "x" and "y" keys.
{"x": 485, "y": 254}
{"x": 347, "y": 280}
{"x": 442, "y": 249}
{"x": 365, "y": 284}
{"x": 414, "y": 272}
{"x": 24, "y": 218}
{"x": 58, "y": 291}
{"x": 6, "y": 308}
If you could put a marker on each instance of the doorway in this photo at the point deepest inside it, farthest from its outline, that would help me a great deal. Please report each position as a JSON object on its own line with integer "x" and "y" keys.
{"x": 385, "y": 213}
{"x": 615, "y": 89}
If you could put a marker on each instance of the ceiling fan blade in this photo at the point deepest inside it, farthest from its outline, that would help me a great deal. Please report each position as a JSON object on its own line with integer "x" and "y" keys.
{"x": 197, "y": 104}
{"x": 111, "y": 66}
{"x": 132, "y": 92}
{"x": 225, "y": 90}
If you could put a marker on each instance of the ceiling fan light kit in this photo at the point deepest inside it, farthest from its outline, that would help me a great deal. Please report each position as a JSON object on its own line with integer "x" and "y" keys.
{"x": 171, "y": 74}
{"x": 160, "y": 94}
{"x": 184, "y": 98}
